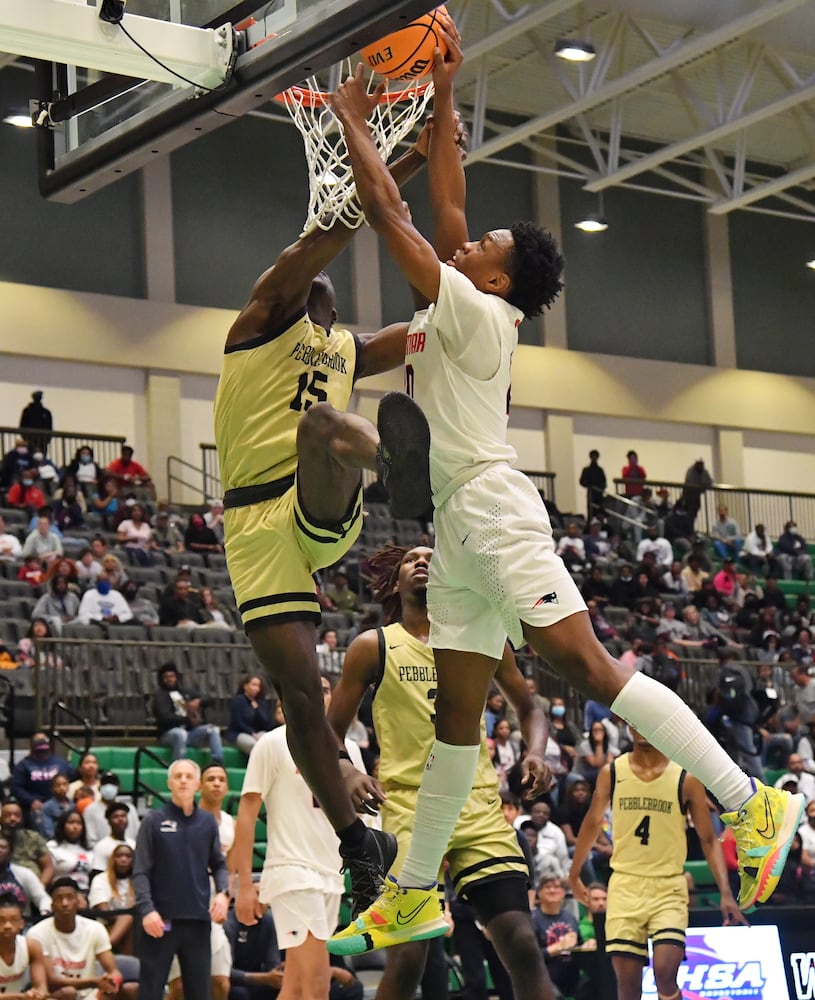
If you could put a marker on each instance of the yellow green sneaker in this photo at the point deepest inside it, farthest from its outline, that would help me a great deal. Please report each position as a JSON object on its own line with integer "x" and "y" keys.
{"x": 763, "y": 828}
{"x": 398, "y": 916}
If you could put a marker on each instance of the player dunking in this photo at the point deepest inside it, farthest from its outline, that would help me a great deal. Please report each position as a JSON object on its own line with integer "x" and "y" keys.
{"x": 486, "y": 864}
{"x": 290, "y": 465}
{"x": 648, "y": 894}
{"x": 495, "y": 572}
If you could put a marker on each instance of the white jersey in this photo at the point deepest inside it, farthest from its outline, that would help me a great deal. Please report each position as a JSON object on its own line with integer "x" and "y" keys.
{"x": 302, "y": 850}
{"x": 226, "y": 832}
{"x": 14, "y": 978}
{"x": 468, "y": 415}
{"x": 73, "y": 955}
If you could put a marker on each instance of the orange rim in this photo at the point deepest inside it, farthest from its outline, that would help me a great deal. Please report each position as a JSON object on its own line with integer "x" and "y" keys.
{"x": 317, "y": 98}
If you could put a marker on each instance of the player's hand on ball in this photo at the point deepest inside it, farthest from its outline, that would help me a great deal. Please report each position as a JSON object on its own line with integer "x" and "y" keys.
{"x": 446, "y": 65}
{"x": 351, "y": 100}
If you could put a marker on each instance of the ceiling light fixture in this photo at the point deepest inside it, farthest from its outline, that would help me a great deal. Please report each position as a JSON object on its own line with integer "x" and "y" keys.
{"x": 811, "y": 264}
{"x": 21, "y": 121}
{"x": 593, "y": 222}
{"x": 574, "y": 50}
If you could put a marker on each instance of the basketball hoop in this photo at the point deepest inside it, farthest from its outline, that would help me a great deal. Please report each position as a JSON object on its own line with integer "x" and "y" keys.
{"x": 332, "y": 194}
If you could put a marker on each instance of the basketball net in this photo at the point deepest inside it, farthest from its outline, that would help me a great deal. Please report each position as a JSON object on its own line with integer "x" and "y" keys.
{"x": 332, "y": 193}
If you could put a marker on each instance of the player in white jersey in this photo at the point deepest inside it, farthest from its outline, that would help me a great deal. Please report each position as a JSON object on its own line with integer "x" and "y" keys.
{"x": 214, "y": 786}
{"x": 495, "y": 572}
{"x": 22, "y": 971}
{"x": 301, "y": 880}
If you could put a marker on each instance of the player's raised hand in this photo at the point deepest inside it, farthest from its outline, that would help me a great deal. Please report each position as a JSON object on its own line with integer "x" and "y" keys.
{"x": 445, "y": 66}
{"x": 537, "y": 778}
{"x": 351, "y": 100}
{"x": 422, "y": 144}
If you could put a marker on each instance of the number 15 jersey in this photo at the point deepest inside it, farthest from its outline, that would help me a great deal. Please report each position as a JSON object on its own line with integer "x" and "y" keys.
{"x": 647, "y": 821}
{"x": 266, "y": 385}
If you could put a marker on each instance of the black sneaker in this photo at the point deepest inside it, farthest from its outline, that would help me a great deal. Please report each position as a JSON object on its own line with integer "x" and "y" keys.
{"x": 369, "y": 868}
{"x": 403, "y": 459}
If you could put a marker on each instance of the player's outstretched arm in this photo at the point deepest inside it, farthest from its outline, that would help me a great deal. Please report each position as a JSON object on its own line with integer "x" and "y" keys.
{"x": 446, "y": 180}
{"x": 696, "y": 799}
{"x": 379, "y": 195}
{"x": 240, "y": 857}
{"x": 534, "y": 727}
{"x": 589, "y": 829}
{"x": 382, "y": 351}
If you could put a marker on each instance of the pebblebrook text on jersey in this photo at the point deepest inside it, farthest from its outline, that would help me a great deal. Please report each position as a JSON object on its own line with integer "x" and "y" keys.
{"x": 309, "y": 355}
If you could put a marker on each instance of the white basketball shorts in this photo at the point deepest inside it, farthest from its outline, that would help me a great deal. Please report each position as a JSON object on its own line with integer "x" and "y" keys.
{"x": 494, "y": 566}
{"x": 297, "y": 913}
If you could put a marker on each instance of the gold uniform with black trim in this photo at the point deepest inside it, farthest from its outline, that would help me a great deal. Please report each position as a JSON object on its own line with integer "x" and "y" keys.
{"x": 483, "y": 847}
{"x": 647, "y": 892}
{"x": 272, "y": 547}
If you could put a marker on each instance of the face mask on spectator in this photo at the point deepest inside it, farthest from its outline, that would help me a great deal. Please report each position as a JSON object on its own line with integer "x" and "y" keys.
{"x": 558, "y": 711}
{"x": 28, "y": 482}
{"x": 103, "y": 586}
{"x": 84, "y": 459}
{"x": 38, "y": 456}
{"x": 108, "y": 792}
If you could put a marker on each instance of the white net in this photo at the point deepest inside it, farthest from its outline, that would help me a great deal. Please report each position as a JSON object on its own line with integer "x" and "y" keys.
{"x": 332, "y": 194}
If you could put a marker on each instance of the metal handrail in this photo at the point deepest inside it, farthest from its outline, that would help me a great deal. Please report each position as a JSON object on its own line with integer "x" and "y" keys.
{"x": 11, "y": 697}
{"x": 138, "y": 784}
{"x": 62, "y": 445}
{"x": 173, "y": 478}
{"x": 59, "y": 707}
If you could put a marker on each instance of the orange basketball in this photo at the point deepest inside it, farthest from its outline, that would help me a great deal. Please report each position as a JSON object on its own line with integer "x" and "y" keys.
{"x": 407, "y": 54}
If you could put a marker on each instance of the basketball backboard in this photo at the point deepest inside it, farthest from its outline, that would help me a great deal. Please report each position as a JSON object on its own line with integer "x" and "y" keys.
{"x": 106, "y": 125}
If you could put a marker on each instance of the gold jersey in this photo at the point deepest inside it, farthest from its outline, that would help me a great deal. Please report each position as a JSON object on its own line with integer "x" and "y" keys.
{"x": 647, "y": 821}
{"x": 403, "y": 712}
{"x": 266, "y": 385}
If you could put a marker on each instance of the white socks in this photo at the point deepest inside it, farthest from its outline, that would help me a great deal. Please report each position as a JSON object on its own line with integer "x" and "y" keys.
{"x": 447, "y": 782}
{"x": 666, "y": 721}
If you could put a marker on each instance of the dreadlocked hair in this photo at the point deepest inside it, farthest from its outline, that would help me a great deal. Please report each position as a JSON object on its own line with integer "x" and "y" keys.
{"x": 383, "y": 576}
{"x": 535, "y": 267}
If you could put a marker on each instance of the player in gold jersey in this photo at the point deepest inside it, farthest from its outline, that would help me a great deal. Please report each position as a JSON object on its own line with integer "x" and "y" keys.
{"x": 485, "y": 863}
{"x": 648, "y": 893}
{"x": 291, "y": 463}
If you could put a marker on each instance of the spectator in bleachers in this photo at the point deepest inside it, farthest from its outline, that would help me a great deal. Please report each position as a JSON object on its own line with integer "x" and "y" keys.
{"x": 212, "y": 613}
{"x": 32, "y": 776}
{"x": 774, "y": 597}
{"x": 117, "y": 815}
{"x": 47, "y": 473}
{"x": 603, "y": 629}
{"x": 58, "y": 803}
{"x": 105, "y": 501}
{"x": 96, "y": 822}
{"x": 571, "y": 548}
{"x": 27, "y": 846}
{"x": 807, "y": 829}
{"x": 674, "y": 583}
{"x": 505, "y": 752}
{"x": 129, "y": 473}
{"x": 166, "y": 534}
{"x": 26, "y": 648}
{"x": 660, "y": 547}
{"x": 726, "y": 535}
{"x": 804, "y": 781}
{"x": 112, "y": 890}
{"x": 36, "y": 417}
{"x": 67, "y": 568}
{"x": 102, "y": 605}
{"x": 678, "y": 527}
{"x": 74, "y": 947}
{"x": 143, "y": 610}
{"x": 557, "y": 932}
{"x": 214, "y": 518}
{"x": 670, "y": 627}
{"x": 633, "y": 473}
{"x": 83, "y": 797}
{"x": 58, "y": 605}
{"x": 114, "y": 570}
{"x": 552, "y": 853}
{"x": 792, "y": 555}
{"x": 10, "y": 547}
{"x": 693, "y": 574}
{"x": 22, "y": 883}
{"x": 43, "y": 542}
{"x": 84, "y": 468}
{"x": 596, "y": 544}
{"x": 87, "y": 568}
{"x": 69, "y": 850}
{"x": 625, "y": 590}
{"x": 802, "y": 651}
{"x": 69, "y": 506}
{"x": 697, "y": 481}
{"x": 181, "y": 606}
{"x": 199, "y": 538}
{"x": 31, "y": 572}
{"x": 565, "y": 732}
{"x": 495, "y": 710}
{"x": 136, "y": 536}
{"x": 593, "y": 753}
{"x": 179, "y": 718}
{"x": 757, "y": 554}
{"x": 804, "y": 696}
{"x": 88, "y": 774}
{"x": 249, "y": 714}
{"x": 99, "y": 547}
{"x": 24, "y": 494}
{"x": 340, "y": 596}
{"x": 329, "y": 657}
{"x": 15, "y": 462}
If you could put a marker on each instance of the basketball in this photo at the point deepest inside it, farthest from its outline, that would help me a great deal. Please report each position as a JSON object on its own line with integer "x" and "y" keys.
{"x": 407, "y": 54}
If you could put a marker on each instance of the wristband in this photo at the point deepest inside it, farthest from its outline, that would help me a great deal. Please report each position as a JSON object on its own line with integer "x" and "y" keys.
{"x": 344, "y": 755}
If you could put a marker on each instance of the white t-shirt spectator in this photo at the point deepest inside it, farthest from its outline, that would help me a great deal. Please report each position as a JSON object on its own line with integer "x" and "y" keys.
{"x": 137, "y": 535}
{"x": 73, "y": 955}
{"x": 73, "y": 860}
{"x": 103, "y": 849}
{"x": 120, "y": 898}
{"x": 94, "y": 607}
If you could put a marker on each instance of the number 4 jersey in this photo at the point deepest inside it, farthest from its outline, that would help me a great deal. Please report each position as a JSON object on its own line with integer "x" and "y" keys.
{"x": 266, "y": 385}
{"x": 647, "y": 821}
